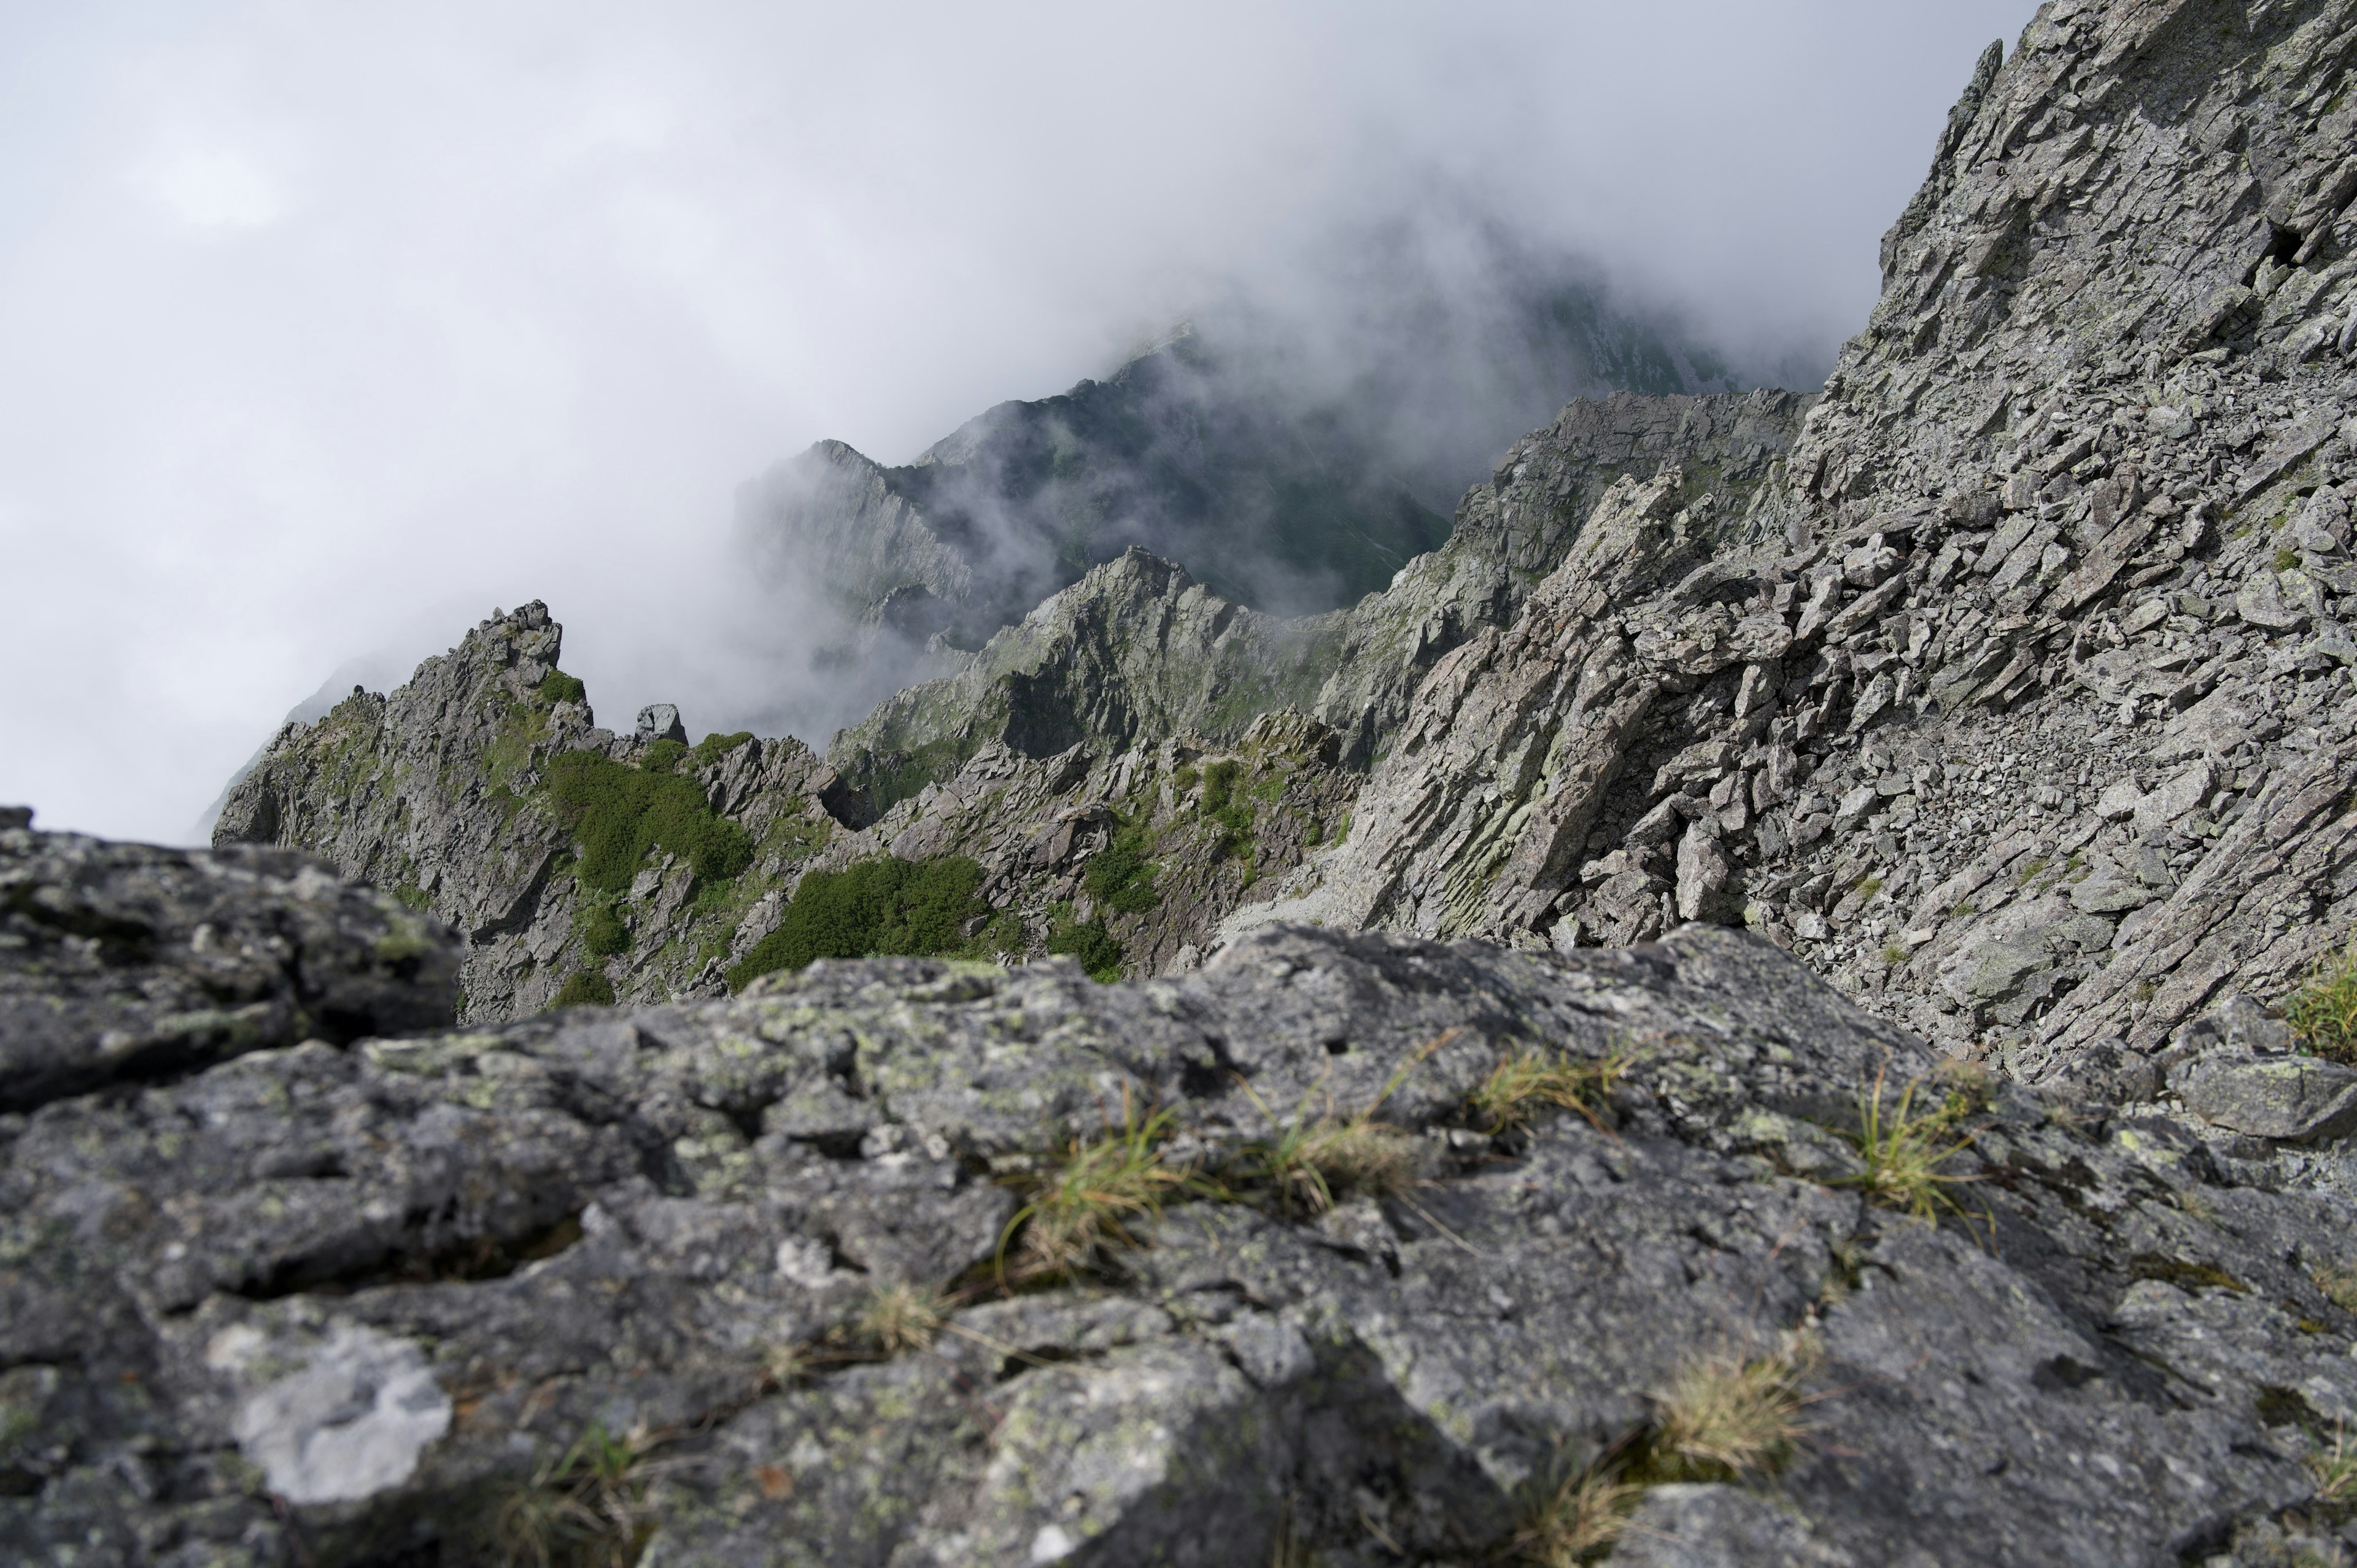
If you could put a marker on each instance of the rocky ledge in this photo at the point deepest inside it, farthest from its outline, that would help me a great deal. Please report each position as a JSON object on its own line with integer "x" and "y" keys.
{"x": 1363, "y": 1246}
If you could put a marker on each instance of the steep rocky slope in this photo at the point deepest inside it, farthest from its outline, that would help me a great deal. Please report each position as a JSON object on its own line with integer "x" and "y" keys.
{"x": 1112, "y": 707}
{"x": 2034, "y": 726}
{"x": 721, "y": 1282}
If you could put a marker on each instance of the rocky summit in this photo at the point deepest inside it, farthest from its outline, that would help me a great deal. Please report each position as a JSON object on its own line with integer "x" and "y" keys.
{"x": 1779, "y": 998}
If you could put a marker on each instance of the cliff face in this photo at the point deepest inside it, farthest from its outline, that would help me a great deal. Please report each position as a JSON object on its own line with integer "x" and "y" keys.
{"x": 2032, "y": 724}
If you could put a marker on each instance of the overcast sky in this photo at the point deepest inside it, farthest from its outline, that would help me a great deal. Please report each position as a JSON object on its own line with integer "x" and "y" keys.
{"x": 324, "y": 328}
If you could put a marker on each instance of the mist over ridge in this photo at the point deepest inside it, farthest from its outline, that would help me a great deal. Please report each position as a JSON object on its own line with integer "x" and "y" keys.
{"x": 327, "y": 335}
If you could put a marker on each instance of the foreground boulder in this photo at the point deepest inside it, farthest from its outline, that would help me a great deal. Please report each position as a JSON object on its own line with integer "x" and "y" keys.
{"x": 121, "y": 961}
{"x": 782, "y": 1279}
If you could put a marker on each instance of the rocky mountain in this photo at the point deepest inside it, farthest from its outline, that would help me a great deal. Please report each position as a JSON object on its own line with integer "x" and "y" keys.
{"x": 1220, "y": 744}
{"x": 1286, "y": 472}
{"x": 1739, "y": 1011}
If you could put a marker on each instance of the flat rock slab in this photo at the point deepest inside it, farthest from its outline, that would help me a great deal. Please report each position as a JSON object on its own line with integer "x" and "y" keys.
{"x": 2294, "y": 1099}
{"x": 122, "y": 962}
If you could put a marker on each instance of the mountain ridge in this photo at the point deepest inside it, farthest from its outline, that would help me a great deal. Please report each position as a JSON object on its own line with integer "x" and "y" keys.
{"x": 1842, "y": 930}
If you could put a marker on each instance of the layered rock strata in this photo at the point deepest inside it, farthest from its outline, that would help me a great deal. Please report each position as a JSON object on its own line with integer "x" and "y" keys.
{"x": 2033, "y": 728}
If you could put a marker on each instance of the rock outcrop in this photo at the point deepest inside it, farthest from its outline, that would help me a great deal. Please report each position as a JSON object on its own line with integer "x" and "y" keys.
{"x": 2030, "y": 722}
{"x": 121, "y": 962}
{"x": 721, "y": 1282}
{"x": 440, "y": 795}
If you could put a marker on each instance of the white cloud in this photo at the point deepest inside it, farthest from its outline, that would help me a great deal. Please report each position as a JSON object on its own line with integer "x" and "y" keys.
{"x": 328, "y": 329}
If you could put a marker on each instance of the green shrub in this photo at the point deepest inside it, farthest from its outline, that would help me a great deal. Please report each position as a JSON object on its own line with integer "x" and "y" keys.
{"x": 662, "y": 755}
{"x": 602, "y": 932}
{"x": 587, "y": 988}
{"x": 558, "y": 687}
{"x": 618, "y": 814}
{"x": 1098, "y": 950}
{"x": 884, "y": 907}
{"x": 1224, "y": 805}
{"x": 713, "y": 747}
{"x": 1120, "y": 877}
{"x": 2323, "y": 1013}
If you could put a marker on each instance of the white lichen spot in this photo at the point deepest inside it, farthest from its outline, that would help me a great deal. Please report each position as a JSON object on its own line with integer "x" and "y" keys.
{"x": 1050, "y": 1545}
{"x": 348, "y": 1425}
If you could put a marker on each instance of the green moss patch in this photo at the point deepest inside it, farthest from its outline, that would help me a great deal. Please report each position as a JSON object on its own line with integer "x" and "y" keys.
{"x": 713, "y": 747}
{"x": 1120, "y": 877}
{"x": 879, "y": 907}
{"x": 1099, "y": 950}
{"x": 587, "y": 988}
{"x": 602, "y": 932}
{"x": 618, "y": 814}
{"x": 1226, "y": 806}
{"x": 558, "y": 687}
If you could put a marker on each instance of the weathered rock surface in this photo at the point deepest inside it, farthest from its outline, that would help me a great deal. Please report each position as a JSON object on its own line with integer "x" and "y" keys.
{"x": 2023, "y": 711}
{"x": 121, "y": 963}
{"x": 342, "y": 1306}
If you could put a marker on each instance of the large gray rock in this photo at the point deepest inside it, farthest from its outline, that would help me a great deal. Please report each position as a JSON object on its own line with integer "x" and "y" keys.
{"x": 344, "y": 1306}
{"x": 123, "y": 962}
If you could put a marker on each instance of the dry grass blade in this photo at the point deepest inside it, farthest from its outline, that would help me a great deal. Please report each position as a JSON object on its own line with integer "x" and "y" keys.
{"x": 1900, "y": 1153}
{"x": 2323, "y": 1012}
{"x": 1312, "y": 1164}
{"x": 1727, "y": 1417}
{"x": 1097, "y": 1191}
{"x": 1526, "y": 1082}
{"x": 903, "y": 1317}
{"x": 584, "y": 1509}
{"x": 2334, "y": 1468}
{"x": 1576, "y": 1520}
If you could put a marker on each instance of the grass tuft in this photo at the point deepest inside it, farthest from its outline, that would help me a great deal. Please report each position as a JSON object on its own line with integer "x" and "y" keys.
{"x": 2334, "y": 1470}
{"x": 1575, "y": 1519}
{"x": 2339, "y": 1285}
{"x": 586, "y": 1508}
{"x": 1315, "y": 1163}
{"x": 784, "y": 1364}
{"x": 1727, "y": 1417}
{"x": 902, "y": 1318}
{"x": 1085, "y": 1206}
{"x": 2323, "y": 1012}
{"x": 1900, "y": 1153}
{"x": 1527, "y": 1083}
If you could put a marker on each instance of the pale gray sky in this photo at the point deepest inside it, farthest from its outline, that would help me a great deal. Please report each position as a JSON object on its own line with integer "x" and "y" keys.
{"x": 325, "y": 329}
